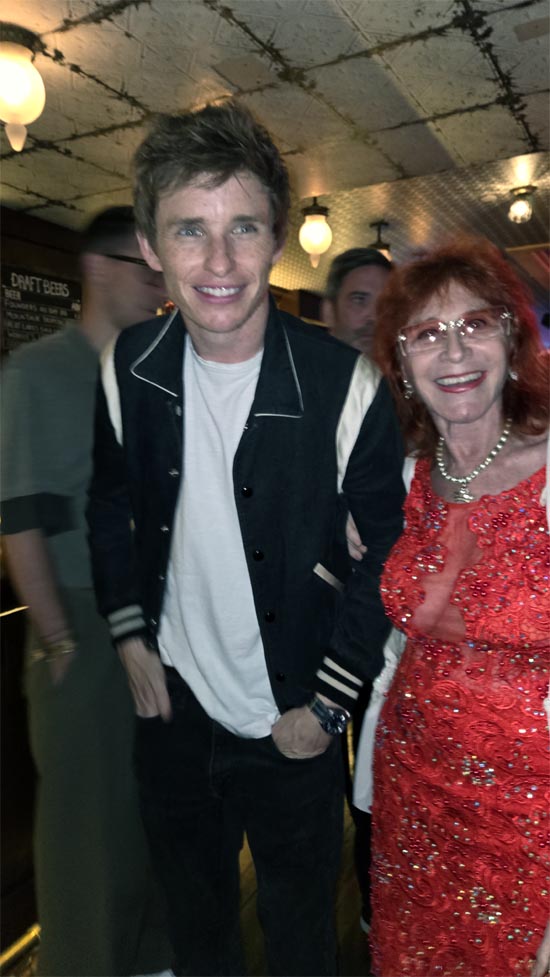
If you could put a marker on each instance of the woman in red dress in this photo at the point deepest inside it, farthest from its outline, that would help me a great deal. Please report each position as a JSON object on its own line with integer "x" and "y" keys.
{"x": 461, "y": 852}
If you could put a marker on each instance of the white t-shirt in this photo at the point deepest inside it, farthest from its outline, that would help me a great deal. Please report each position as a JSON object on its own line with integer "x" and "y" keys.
{"x": 209, "y": 629}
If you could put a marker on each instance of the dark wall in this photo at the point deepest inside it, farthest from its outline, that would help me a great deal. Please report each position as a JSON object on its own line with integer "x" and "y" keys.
{"x": 40, "y": 284}
{"x": 30, "y": 242}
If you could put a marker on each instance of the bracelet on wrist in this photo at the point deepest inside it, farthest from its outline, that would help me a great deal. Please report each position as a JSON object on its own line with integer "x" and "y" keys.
{"x": 56, "y": 649}
{"x": 52, "y": 650}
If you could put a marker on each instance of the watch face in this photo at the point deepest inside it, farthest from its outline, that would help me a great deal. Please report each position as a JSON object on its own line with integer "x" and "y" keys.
{"x": 337, "y": 722}
{"x": 332, "y": 719}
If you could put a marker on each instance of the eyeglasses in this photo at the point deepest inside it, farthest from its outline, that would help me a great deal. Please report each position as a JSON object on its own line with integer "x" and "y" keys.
{"x": 472, "y": 327}
{"x": 126, "y": 257}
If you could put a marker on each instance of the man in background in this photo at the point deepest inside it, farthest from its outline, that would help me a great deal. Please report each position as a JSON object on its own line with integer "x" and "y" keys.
{"x": 355, "y": 280}
{"x": 97, "y": 908}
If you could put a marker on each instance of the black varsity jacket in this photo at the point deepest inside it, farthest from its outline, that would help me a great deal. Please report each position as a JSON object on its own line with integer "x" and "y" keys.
{"x": 321, "y": 437}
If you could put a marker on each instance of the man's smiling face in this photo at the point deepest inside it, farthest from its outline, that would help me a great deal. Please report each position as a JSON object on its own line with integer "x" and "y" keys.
{"x": 216, "y": 247}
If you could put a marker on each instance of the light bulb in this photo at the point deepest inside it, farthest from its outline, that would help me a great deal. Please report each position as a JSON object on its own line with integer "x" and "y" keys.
{"x": 315, "y": 235}
{"x": 521, "y": 210}
{"x": 22, "y": 92}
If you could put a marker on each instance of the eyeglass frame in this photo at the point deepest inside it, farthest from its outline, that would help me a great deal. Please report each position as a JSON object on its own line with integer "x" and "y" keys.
{"x": 132, "y": 261}
{"x": 506, "y": 318}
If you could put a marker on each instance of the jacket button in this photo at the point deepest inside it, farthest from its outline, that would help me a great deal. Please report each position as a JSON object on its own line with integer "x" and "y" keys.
{"x": 257, "y": 555}
{"x": 280, "y": 676}
{"x": 173, "y": 472}
{"x": 269, "y": 616}
{"x": 177, "y": 410}
{"x": 161, "y": 576}
{"x": 164, "y": 529}
{"x": 246, "y": 491}
{"x": 153, "y": 622}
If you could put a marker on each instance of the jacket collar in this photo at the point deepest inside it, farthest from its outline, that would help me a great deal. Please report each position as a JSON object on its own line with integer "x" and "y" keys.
{"x": 162, "y": 362}
{"x": 278, "y": 392}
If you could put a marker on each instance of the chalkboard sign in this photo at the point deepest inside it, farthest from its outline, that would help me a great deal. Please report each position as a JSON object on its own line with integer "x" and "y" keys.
{"x": 35, "y": 305}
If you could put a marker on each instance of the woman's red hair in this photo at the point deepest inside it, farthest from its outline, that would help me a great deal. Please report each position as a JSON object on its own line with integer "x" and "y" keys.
{"x": 482, "y": 268}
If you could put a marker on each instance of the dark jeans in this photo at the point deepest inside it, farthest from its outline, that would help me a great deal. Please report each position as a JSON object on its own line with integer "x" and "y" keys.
{"x": 202, "y": 788}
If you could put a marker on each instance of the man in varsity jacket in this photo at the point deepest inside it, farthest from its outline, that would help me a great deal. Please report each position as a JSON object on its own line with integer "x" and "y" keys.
{"x": 229, "y": 439}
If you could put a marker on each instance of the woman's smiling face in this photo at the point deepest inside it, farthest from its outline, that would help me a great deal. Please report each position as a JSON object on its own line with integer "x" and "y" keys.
{"x": 460, "y": 380}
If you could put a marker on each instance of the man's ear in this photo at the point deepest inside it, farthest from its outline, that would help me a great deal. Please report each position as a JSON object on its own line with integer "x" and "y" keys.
{"x": 94, "y": 268}
{"x": 327, "y": 313}
{"x": 148, "y": 253}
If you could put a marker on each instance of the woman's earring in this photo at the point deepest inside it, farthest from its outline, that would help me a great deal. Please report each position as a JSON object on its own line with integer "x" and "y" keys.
{"x": 408, "y": 389}
{"x": 512, "y": 374}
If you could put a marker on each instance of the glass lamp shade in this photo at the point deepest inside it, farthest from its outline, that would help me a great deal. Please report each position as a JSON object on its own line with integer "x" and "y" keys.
{"x": 521, "y": 210}
{"x": 22, "y": 92}
{"x": 385, "y": 251}
{"x": 315, "y": 236}
{"x": 17, "y": 135}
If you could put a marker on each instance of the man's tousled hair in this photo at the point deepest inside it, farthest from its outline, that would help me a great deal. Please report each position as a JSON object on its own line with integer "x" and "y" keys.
{"x": 210, "y": 145}
{"x": 109, "y": 230}
{"x": 348, "y": 261}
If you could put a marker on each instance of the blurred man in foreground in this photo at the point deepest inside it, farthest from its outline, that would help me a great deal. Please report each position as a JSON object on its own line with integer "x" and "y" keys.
{"x": 96, "y": 905}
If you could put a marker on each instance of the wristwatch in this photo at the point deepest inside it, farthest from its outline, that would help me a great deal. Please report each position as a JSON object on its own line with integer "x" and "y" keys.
{"x": 333, "y": 719}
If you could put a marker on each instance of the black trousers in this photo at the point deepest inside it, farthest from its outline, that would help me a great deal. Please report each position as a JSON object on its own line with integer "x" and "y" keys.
{"x": 201, "y": 789}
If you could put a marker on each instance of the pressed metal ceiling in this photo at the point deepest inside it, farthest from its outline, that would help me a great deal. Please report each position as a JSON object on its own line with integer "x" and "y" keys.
{"x": 424, "y": 113}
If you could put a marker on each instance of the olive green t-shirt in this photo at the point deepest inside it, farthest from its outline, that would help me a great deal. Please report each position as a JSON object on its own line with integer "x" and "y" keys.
{"x": 48, "y": 396}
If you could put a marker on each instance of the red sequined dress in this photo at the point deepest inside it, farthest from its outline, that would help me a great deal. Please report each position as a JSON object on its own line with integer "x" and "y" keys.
{"x": 461, "y": 852}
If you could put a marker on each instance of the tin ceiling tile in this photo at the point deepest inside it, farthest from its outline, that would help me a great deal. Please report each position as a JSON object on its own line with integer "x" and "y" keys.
{"x": 417, "y": 149}
{"x": 443, "y": 74}
{"x": 536, "y": 113}
{"x": 58, "y": 177}
{"x": 537, "y": 8}
{"x": 365, "y": 93}
{"x": 174, "y": 28}
{"x": 310, "y": 123}
{"x": 381, "y": 21}
{"x": 113, "y": 153}
{"x": 248, "y": 72}
{"x": 483, "y": 136}
{"x": 307, "y": 34}
{"x": 332, "y": 165}
{"x": 35, "y": 15}
{"x": 520, "y": 39}
{"x": 90, "y": 51}
{"x": 76, "y": 104}
{"x": 188, "y": 89}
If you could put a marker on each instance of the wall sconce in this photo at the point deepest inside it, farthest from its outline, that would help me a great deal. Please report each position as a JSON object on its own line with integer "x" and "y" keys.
{"x": 315, "y": 234}
{"x": 521, "y": 208}
{"x": 22, "y": 92}
{"x": 379, "y": 244}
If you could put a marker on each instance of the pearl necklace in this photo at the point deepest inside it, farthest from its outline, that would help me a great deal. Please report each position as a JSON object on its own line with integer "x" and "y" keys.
{"x": 461, "y": 493}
